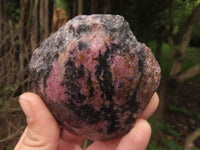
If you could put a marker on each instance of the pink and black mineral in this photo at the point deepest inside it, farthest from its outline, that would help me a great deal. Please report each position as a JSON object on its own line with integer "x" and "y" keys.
{"x": 94, "y": 76}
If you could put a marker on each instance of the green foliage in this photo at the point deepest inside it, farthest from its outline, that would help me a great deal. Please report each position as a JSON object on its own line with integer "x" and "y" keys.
{"x": 166, "y": 61}
{"x": 8, "y": 148}
{"x": 166, "y": 127}
{"x": 192, "y": 58}
{"x": 1, "y": 102}
{"x": 66, "y": 5}
{"x": 62, "y": 4}
{"x": 144, "y": 16}
{"x": 180, "y": 109}
{"x": 182, "y": 10}
{"x": 183, "y": 110}
{"x": 85, "y": 144}
{"x": 166, "y": 58}
{"x": 197, "y": 114}
{"x": 14, "y": 10}
{"x": 167, "y": 145}
{"x": 153, "y": 146}
{"x": 7, "y": 92}
{"x": 10, "y": 89}
{"x": 173, "y": 105}
{"x": 171, "y": 145}
{"x": 162, "y": 126}
{"x": 196, "y": 148}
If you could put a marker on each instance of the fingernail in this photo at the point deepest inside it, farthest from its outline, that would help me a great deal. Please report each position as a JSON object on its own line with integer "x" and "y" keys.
{"x": 27, "y": 109}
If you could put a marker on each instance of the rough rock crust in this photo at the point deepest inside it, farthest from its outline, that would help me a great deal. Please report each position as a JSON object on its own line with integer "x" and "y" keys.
{"x": 94, "y": 76}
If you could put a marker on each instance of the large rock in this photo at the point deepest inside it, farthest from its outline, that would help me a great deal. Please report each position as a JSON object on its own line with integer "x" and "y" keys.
{"x": 94, "y": 76}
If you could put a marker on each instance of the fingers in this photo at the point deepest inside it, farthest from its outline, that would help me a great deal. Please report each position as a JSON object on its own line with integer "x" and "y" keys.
{"x": 137, "y": 138}
{"x": 108, "y": 145}
{"x": 67, "y": 136}
{"x": 151, "y": 107}
{"x": 42, "y": 131}
{"x": 69, "y": 140}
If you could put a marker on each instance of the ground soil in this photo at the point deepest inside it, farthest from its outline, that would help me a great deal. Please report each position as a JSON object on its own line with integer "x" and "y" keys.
{"x": 183, "y": 122}
{"x": 12, "y": 120}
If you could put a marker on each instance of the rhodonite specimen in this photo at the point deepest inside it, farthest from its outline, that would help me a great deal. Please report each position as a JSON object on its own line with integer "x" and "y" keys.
{"x": 94, "y": 76}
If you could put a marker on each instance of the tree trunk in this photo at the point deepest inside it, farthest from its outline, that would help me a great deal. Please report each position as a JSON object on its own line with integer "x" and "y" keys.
{"x": 165, "y": 94}
{"x": 16, "y": 43}
{"x": 107, "y": 6}
{"x": 74, "y": 8}
{"x": 21, "y": 33}
{"x": 190, "y": 140}
{"x": 34, "y": 26}
{"x": 176, "y": 75}
{"x": 94, "y": 6}
{"x": 1, "y": 20}
{"x": 40, "y": 22}
{"x": 169, "y": 87}
{"x": 171, "y": 15}
{"x": 44, "y": 19}
{"x": 159, "y": 43}
{"x": 191, "y": 72}
{"x": 180, "y": 54}
{"x": 80, "y": 7}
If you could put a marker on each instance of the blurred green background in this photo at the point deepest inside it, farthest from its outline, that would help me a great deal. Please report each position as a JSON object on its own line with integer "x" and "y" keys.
{"x": 171, "y": 28}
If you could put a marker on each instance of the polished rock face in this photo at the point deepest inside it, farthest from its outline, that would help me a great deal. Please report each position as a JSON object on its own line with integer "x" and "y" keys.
{"x": 94, "y": 76}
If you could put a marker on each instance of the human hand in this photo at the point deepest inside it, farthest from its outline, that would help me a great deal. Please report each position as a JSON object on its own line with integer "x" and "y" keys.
{"x": 43, "y": 132}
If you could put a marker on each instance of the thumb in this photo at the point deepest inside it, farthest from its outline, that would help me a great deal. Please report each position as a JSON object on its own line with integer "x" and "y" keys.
{"x": 42, "y": 131}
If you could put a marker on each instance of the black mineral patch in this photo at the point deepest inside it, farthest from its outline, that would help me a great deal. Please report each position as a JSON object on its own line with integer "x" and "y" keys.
{"x": 72, "y": 74}
{"x": 105, "y": 81}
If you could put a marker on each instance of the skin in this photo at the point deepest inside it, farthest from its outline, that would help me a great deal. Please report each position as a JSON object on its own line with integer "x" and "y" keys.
{"x": 43, "y": 132}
